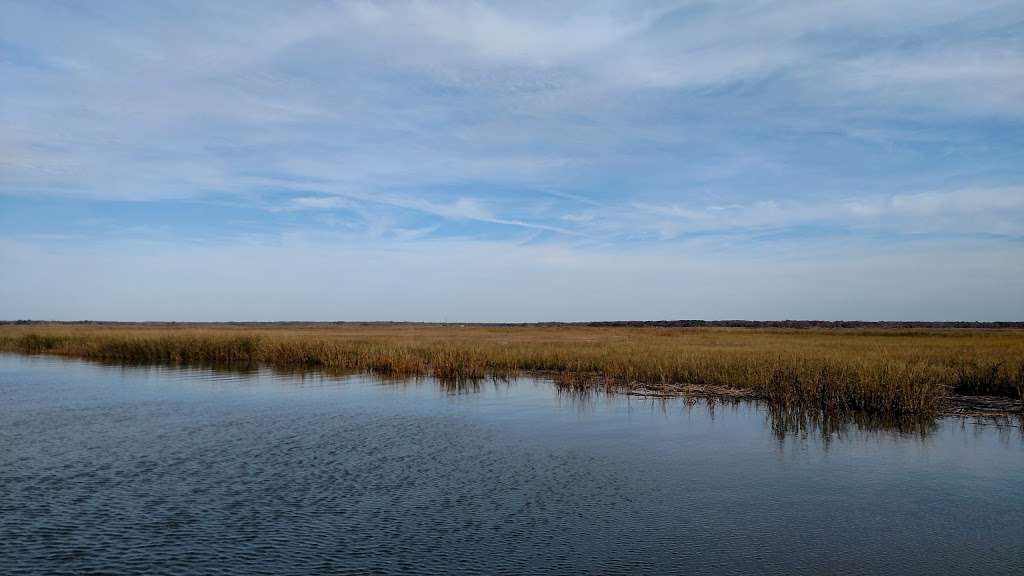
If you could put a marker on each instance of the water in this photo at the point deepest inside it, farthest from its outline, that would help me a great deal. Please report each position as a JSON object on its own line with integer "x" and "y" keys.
{"x": 175, "y": 471}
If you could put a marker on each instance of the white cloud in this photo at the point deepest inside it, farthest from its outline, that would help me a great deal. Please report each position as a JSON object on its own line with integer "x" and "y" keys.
{"x": 960, "y": 202}
{"x": 155, "y": 102}
{"x": 578, "y": 217}
{"x": 319, "y": 203}
{"x": 968, "y": 211}
{"x": 974, "y": 77}
{"x": 666, "y": 119}
{"x": 496, "y": 33}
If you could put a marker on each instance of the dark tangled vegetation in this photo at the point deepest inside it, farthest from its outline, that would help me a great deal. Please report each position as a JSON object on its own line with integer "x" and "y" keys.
{"x": 865, "y": 370}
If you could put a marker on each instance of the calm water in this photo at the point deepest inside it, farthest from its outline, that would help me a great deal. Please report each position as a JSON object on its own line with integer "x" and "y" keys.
{"x": 159, "y": 470}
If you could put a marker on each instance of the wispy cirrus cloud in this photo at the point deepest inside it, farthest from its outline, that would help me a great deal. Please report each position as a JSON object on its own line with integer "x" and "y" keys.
{"x": 995, "y": 211}
{"x": 144, "y": 102}
{"x": 574, "y": 125}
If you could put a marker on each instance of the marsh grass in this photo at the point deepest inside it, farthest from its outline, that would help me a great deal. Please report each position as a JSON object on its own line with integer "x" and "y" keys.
{"x": 889, "y": 372}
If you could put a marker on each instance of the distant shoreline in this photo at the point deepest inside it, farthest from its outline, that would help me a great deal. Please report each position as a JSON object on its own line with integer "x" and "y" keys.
{"x": 797, "y": 324}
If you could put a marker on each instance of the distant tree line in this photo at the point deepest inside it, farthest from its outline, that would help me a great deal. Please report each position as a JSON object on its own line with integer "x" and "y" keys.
{"x": 612, "y": 323}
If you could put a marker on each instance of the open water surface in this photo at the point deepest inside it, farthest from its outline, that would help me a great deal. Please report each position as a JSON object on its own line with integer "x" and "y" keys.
{"x": 186, "y": 471}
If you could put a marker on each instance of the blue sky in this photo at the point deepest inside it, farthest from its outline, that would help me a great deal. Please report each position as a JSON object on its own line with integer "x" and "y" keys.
{"x": 474, "y": 161}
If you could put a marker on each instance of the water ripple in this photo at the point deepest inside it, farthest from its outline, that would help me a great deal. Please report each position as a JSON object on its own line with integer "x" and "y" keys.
{"x": 173, "y": 471}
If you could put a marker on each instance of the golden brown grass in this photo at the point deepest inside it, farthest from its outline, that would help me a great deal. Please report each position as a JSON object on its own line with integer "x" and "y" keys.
{"x": 891, "y": 371}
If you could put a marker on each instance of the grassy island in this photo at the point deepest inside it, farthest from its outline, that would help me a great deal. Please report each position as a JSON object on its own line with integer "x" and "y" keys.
{"x": 891, "y": 371}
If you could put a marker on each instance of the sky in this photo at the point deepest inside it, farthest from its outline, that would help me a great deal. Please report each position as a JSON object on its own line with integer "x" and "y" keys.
{"x": 512, "y": 161}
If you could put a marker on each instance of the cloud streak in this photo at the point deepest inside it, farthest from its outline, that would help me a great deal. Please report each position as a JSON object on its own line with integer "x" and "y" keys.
{"x": 998, "y": 211}
{"x": 572, "y": 126}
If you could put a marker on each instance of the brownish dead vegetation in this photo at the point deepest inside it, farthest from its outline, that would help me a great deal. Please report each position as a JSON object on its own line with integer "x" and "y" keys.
{"x": 890, "y": 371}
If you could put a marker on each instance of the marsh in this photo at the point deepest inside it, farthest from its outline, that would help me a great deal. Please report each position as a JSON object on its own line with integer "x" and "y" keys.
{"x": 890, "y": 372}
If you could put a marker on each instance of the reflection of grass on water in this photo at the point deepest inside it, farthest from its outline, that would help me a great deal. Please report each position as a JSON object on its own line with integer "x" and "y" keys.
{"x": 784, "y": 420}
{"x": 839, "y": 372}
{"x": 788, "y": 420}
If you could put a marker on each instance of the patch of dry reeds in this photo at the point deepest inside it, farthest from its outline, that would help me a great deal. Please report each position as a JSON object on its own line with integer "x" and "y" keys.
{"x": 893, "y": 372}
